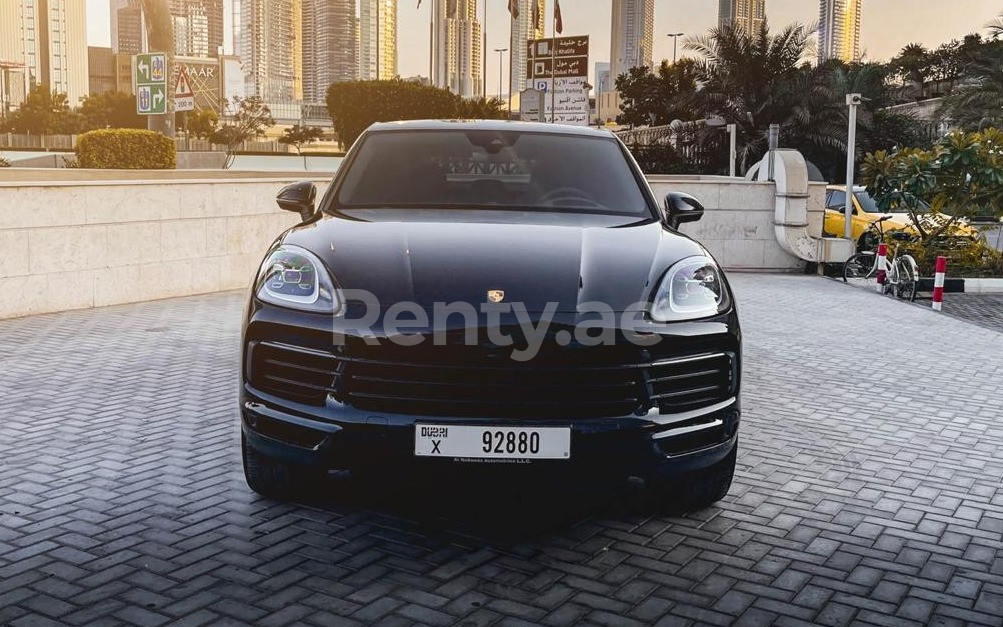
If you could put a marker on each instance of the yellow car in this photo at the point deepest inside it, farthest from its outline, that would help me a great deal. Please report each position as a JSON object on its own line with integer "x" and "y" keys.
{"x": 865, "y": 212}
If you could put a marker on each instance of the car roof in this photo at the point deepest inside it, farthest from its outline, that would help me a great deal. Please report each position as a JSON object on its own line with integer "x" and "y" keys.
{"x": 489, "y": 125}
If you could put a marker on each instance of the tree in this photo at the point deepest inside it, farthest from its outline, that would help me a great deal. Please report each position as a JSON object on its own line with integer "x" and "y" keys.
{"x": 202, "y": 123}
{"x": 250, "y": 119}
{"x": 111, "y": 110}
{"x": 754, "y": 79}
{"x": 43, "y": 112}
{"x": 658, "y": 99}
{"x": 962, "y": 174}
{"x": 480, "y": 109}
{"x": 355, "y": 105}
{"x": 978, "y": 102}
{"x": 913, "y": 66}
{"x": 299, "y": 136}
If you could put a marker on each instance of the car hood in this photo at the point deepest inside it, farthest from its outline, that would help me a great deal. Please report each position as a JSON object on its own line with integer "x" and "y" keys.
{"x": 534, "y": 264}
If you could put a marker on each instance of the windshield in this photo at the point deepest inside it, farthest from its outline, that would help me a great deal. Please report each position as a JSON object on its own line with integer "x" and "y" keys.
{"x": 868, "y": 205}
{"x": 491, "y": 170}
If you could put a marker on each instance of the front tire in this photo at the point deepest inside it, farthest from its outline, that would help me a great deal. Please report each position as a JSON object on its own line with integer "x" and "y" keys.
{"x": 908, "y": 278}
{"x": 695, "y": 490}
{"x": 274, "y": 479}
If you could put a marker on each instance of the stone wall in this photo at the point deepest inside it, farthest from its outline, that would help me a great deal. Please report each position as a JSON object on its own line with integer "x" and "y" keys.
{"x": 82, "y": 238}
{"x": 72, "y": 245}
{"x": 738, "y": 225}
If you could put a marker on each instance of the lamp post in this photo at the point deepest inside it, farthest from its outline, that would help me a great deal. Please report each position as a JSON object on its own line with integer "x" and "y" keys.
{"x": 500, "y": 51}
{"x": 852, "y": 101}
{"x": 675, "y": 38}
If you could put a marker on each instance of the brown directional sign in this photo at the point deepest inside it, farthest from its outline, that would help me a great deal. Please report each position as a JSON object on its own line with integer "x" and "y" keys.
{"x": 574, "y": 66}
{"x": 570, "y": 53}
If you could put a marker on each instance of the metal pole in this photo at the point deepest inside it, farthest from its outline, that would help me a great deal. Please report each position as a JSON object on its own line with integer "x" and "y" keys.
{"x": 675, "y": 39}
{"x": 484, "y": 49}
{"x": 553, "y": 69}
{"x": 431, "y": 42}
{"x": 733, "y": 133}
{"x": 500, "y": 51}
{"x": 852, "y": 100}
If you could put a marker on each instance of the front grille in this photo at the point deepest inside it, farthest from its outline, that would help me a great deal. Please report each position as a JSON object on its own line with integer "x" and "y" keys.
{"x": 691, "y": 383}
{"x": 298, "y": 374}
{"x": 494, "y": 388}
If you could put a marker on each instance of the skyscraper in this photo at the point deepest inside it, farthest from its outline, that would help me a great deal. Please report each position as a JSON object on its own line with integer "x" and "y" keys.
{"x": 45, "y": 42}
{"x": 197, "y": 26}
{"x": 633, "y": 29}
{"x": 329, "y": 46}
{"x": 128, "y": 32}
{"x": 749, "y": 14}
{"x": 459, "y": 47}
{"x": 528, "y": 26}
{"x": 270, "y": 49}
{"x": 203, "y": 22}
{"x": 377, "y": 39}
{"x": 839, "y": 30}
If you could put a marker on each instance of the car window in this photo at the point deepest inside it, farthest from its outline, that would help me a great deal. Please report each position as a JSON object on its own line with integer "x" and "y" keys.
{"x": 836, "y": 200}
{"x": 870, "y": 206}
{"x": 480, "y": 169}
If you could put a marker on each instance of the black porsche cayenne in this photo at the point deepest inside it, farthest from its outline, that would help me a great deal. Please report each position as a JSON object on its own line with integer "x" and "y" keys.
{"x": 475, "y": 294}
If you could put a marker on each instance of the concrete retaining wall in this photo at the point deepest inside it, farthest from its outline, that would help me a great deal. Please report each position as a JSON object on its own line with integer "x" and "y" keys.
{"x": 83, "y": 238}
{"x": 71, "y": 245}
{"x": 738, "y": 226}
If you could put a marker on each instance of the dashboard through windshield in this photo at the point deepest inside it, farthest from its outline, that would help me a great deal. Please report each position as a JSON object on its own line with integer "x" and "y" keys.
{"x": 491, "y": 170}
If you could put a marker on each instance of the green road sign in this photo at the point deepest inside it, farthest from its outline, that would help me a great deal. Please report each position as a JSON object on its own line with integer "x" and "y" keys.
{"x": 150, "y": 76}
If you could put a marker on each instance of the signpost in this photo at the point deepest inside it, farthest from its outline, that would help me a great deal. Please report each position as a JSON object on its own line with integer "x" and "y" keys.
{"x": 560, "y": 68}
{"x": 150, "y": 74}
{"x": 184, "y": 96}
{"x": 531, "y": 103}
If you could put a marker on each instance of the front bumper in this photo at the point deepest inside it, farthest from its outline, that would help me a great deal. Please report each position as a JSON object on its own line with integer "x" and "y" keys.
{"x": 337, "y": 434}
{"x": 360, "y": 441}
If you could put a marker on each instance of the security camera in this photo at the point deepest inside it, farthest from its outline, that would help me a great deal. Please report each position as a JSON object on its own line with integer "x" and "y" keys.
{"x": 854, "y": 99}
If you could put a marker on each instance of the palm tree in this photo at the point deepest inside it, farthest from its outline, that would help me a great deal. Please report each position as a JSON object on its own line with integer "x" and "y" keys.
{"x": 754, "y": 79}
{"x": 978, "y": 103}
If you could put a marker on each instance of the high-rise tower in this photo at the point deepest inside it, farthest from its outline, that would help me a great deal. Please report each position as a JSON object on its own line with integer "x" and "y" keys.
{"x": 459, "y": 48}
{"x": 377, "y": 39}
{"x": 632, "y": 34}
{"x": 748, "y": 14}
{"x": 839, "y": 30}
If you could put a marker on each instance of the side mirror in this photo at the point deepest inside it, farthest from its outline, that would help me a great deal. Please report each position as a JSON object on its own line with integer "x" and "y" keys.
{"x": 681, "y": 208}
{"x": 299, "y": 197}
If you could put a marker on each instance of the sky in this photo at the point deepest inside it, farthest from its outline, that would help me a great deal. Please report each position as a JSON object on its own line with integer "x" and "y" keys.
{"x": 887, "y": 25}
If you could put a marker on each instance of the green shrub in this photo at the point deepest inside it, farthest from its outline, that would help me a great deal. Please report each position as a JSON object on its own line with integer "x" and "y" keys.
{"x": 127, "y": 149}
{"x": 966, "y": 257}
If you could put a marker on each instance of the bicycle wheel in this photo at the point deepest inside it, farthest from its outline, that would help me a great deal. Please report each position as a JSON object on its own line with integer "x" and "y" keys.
{"x": 907, "y": 273}
{"x": 860, "y": 270}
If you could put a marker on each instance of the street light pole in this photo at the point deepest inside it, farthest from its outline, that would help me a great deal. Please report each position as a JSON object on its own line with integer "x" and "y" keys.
{"x": 500, "y": 52}
{"x": 852, "y": 101}
{"x": 675, "y": 38}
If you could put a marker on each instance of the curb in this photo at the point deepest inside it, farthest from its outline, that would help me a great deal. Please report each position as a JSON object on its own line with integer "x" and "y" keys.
{"x": 957, "y": 286}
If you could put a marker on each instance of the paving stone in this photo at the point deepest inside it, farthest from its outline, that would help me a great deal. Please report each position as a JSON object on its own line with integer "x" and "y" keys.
{"x": 122, "y": 499}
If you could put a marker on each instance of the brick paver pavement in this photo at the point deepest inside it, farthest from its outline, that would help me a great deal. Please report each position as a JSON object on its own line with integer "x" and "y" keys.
{"x": 984, "y": 309}
{"x": 859, "y": 500}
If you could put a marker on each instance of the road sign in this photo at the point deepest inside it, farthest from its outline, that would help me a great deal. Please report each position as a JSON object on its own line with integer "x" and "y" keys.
{"x": 184, "y": 96}
{"x": 150, "y": 77}
{"x": 560, "y": 68}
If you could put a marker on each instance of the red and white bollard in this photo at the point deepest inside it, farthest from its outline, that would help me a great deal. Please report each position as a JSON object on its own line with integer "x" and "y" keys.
{"x": 938, "y": 284}
{"x": 882, "y": 266}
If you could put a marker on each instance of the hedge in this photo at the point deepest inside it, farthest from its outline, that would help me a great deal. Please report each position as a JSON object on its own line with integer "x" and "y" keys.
{"x": 126, "y": 149}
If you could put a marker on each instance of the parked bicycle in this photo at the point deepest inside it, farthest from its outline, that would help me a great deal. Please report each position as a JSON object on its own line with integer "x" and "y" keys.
{"x": 902, "y": 272}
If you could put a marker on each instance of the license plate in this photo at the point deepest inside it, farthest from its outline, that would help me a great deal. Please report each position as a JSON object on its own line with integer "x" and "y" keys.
{"x": 492, "y": 442}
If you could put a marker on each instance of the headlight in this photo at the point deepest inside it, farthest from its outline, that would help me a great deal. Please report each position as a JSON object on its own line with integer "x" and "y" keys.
{"x": 693, "y": 288}
{"x": 294, "y": 277}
